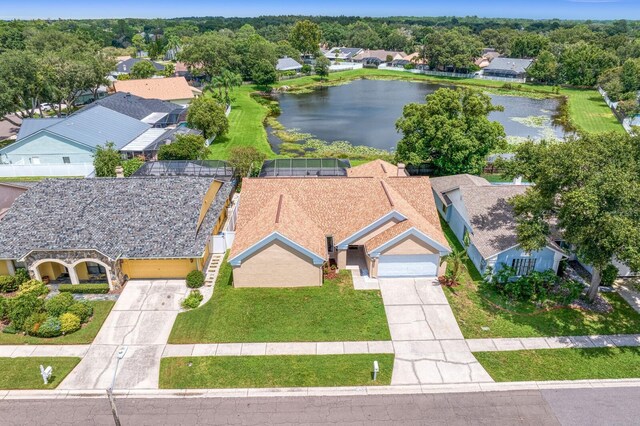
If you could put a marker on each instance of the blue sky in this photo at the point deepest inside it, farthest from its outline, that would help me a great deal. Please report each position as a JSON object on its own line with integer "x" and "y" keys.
{"x": 564, "y": 9}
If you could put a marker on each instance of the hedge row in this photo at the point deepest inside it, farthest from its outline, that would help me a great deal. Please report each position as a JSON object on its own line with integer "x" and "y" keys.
{"x": 84, "y": 288}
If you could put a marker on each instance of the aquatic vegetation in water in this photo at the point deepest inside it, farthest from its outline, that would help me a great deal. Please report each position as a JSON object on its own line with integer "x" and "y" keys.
{"x": 537, "y": 121}
{"x": 291, "y": 135}
{"x": 343, "y": 149}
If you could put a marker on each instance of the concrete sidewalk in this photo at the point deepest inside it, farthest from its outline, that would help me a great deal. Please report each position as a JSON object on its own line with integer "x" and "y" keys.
{"x": 517, "y": 344}
{"x": 428, "y": 343}
{"x": 15, "y": 351}
{"x": 283, "y": 348}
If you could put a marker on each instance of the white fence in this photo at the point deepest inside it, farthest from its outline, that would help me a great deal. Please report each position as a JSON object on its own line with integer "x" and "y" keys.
{"x": 26, "y": 170}
{"x": 626, "y": 122}
{"x": 453, "y": 74}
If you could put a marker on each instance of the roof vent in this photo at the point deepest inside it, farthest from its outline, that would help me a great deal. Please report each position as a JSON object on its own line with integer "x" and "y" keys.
{"x": 279, "y": 208}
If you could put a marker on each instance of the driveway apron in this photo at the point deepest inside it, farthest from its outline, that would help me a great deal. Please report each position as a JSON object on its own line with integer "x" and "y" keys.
{"x": 428, "y": 343}
{"x": 141, "y": 319}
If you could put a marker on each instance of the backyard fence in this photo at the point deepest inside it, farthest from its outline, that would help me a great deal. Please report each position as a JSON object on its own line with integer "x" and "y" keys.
{"x": 626, "y": 122}
{"x": 32, "y": 170}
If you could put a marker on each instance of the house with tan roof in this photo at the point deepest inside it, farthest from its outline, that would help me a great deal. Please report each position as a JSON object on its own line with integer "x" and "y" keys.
{"x": 480, "y": 216}
{"x": 172, "y": 89}
{"x": 289, "y": 227}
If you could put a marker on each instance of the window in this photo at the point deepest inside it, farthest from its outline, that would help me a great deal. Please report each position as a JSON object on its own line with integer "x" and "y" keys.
{"x": 523, "y": 266}
{"x": 95, "y": 269}
{"x": 330, "y": 244}
{"x": 66, "y": 160}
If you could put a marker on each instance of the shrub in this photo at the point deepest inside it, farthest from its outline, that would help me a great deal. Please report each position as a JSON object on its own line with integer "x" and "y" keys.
{"x": 83, "y": 310}
{"x": 21, "y": 276}
{"x": 33, "y": 322}
{"x": 22, "y": 306}
{"x": 8, "y": 284}
{"x": 10, "y": 329}
{"x": 84, "y": 288}
{"x": 35, "y": 287}
{"x": 51, "y": 327}
{"x": 69, "y": 323}
{"x": 4, "y": 308}
{"x": 609, "y": 275}
{"x": 58, "y": 304}
{"x": 195, "y": 279}
{"x": 193, "y": 300}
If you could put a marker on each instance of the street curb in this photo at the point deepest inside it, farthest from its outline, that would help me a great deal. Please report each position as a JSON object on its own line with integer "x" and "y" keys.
{"x": 311, "y": 392}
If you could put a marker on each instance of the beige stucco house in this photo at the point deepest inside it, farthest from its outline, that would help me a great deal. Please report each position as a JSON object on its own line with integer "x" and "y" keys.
{"x": 376, "y": 218}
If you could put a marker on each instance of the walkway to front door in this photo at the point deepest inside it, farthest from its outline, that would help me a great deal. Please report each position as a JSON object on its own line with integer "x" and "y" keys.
{"x": 428, "y": 343}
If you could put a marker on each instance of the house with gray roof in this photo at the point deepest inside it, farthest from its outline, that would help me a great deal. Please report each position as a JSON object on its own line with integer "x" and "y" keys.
{"x": 114, "y": 229}
{"x": 288, "y": 64}
{"x": 156, "y": 112}
{"x": 124, "y": 67}
{"x": 507, "y": 68}
{"x": 342, "y": 53}
{"x": 480, "y": 216}
{"x": 71, "y": 140}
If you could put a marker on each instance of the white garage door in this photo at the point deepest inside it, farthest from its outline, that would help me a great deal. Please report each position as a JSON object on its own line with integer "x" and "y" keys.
{"x": 415, "y": 265}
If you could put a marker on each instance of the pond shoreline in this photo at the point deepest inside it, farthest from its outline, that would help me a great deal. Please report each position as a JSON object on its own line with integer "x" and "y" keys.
{"x": 374, "y": 108}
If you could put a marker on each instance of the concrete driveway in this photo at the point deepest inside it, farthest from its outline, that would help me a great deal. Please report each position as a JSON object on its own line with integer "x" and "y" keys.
{"x": 141, "y": 320}
{"x": 428, "y": 343}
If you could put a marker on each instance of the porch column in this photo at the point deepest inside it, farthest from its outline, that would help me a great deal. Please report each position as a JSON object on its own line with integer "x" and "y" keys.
{"x": 73, "y": 275}
{"x": 342, "y": 259}
{"x": 10, "y": 268}
{"x": 35, "y": 273}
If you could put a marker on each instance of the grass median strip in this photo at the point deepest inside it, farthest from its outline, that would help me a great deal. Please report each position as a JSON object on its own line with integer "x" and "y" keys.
{"x": 561, "y": 364}
{"x": 24, "y": 373}
{"x": 333, "y": 312}
{"x": 83, "y": 336}
{"x": 274, "y": 371}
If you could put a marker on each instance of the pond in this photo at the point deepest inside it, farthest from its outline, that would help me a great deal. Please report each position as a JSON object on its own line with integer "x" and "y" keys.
{"x": 364, "y": 112}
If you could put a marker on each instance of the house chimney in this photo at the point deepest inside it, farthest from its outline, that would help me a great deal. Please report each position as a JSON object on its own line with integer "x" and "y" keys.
{"x": 119, "y": 172}
{"x": 517, "y": 180}
{"x": 401, "y": 170}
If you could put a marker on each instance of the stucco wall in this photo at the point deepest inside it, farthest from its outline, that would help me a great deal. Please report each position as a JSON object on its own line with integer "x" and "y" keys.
{"x": 457, "y": 223}
{"x": 277, "y": 265}
{"x": 476, "y": 258}
{"x": 158, "y": 268}
{"x": 48, "y": 148}
{"x": 410, "y": 245}
{"x": 4, "y": 269}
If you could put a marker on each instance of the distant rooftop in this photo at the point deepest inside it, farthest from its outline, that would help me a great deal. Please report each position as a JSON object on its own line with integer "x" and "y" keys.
{"x": 509, "y": 64}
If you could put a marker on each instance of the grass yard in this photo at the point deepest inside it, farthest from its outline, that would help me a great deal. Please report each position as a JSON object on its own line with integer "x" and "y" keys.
{"x": 476, "y": 305}
{"x": 274, "y": 371}
{"x": 333, "y": 312}
{"x": 561, "y": 364}
{"x": 83, "y": 336}
{"x": 245, "y": 126}
{"x": 24, "y": 373}
{"x": 590, "y": 113}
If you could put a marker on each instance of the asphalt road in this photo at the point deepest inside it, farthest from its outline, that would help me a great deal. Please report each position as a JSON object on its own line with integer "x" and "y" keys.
{"x": 602, "y": 406}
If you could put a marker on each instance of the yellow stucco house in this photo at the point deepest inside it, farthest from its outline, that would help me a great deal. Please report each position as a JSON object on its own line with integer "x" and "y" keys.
{"x": 377, "y": 218}
{"x": 114, "y": 229}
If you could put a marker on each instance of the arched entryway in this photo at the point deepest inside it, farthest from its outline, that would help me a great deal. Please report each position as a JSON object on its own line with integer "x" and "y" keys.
{"x": 53, "y": 270}
{"x": 92, "y": 271}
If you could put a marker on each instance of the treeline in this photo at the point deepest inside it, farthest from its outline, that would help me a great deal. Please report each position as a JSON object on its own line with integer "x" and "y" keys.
{"x": 576, "y": 53}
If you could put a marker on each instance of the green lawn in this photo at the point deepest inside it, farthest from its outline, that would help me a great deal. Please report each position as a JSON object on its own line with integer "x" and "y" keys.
{"x": 274, "y": 371}
{"x": 561, "y": 364}
{"x": 85, "y": 335}
{"x": 245, "y": 126}
{"x": 475, "y": 305}
{"x": 24, "y": 373}
{"x": 587, "y": 109}
{"x": 333, "y": 312}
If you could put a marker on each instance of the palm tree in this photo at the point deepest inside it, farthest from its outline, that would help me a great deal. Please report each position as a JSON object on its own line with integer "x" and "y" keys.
{"x": 455, "y": 261}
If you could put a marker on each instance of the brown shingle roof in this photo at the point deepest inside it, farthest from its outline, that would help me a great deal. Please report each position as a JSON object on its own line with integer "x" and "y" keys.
{"x": 314, "y": 208}
{"x": 166, "y": 89}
